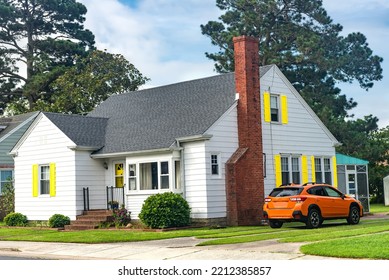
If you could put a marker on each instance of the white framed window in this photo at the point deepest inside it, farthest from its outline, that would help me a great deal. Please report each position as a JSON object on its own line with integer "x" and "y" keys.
{"x": 44, "y": 179}
{"x": 290, "y": 169}
{"x": 274, "y": 108}
{"x": 215, "y": 165}
{"x": 6, "y": 177}
{"x": 132, "y": 177}
{"x": 164, "y": 176}
{"x": 154, "y": 175}
{"x": 323, "y": 171}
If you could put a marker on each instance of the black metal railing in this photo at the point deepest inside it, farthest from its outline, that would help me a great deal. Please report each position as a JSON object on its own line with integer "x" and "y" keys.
{"x": 85, "y": 194}
{"x": 115, "y": 197}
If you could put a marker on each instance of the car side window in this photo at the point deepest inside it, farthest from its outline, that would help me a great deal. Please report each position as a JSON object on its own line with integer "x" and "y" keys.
{"x": 332, "y": 193}
{"x": 316, "y": 191}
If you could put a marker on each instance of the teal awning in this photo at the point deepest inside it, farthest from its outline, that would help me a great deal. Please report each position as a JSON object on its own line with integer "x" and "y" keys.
{"x": 347, "y": 160}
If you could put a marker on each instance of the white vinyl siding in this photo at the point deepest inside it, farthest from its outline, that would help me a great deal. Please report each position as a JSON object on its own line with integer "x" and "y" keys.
{"x": 45, "y": 144}
{"x": 303, "y": 135}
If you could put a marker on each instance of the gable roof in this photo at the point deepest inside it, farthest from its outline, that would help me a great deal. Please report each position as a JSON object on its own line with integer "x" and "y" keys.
{"x": 8, "y": 125}
{"x": 154, "y": 118}
{"x": 83, "y": 131}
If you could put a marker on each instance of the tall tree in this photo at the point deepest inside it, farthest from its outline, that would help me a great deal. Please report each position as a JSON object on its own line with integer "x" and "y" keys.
{"x": 90, "y": 81}
{"x": 303, "y": 41}
{"x": 42, "y": 38}
{"x": 300, "y": 38}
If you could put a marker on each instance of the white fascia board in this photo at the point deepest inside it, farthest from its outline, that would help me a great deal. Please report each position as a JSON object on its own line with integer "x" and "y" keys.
{"x": 134, "y": 153}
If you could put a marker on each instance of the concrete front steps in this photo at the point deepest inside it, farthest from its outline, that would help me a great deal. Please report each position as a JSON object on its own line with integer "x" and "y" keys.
{"x": 90, "y": 220}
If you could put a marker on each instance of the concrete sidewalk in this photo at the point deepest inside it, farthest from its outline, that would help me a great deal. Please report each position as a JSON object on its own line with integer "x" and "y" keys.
{"x": 170, "y": 249}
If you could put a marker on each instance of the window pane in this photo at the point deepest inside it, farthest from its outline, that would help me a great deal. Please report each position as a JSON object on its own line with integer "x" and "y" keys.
{"x": 284, "y": 164}
{"x": 164, "y": 167}
{"x": 6, "y": 175}
{"x": 214, "y": 165}
{"x": 273, "y": 102}
{"x": 148, "y": 176}
{"x": 132, "y": 184}
{"x": 164, "y": 182}
{"x": 132, "y": 177}
{"x": 45, "y": 187}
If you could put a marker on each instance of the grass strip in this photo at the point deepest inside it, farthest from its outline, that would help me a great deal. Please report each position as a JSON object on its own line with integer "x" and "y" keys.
{"x": 372, "y": 246}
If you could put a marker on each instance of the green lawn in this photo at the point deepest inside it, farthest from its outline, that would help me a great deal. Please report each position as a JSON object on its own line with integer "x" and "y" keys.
{"x": 336, "y": 238}
{"x": 378, "y": 208}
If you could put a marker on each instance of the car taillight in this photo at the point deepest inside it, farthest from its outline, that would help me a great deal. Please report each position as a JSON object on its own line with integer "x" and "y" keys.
{"x": 267, "y": 199}
{"x": 298, "y": 199}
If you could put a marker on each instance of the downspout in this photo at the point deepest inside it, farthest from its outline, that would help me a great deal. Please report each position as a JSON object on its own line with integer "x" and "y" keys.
{"x": 182, "y": 165}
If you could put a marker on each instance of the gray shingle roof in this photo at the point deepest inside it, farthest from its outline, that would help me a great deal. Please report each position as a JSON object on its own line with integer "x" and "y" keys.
{"x": 153, "y": 118}
{"x": 82, "y": 130}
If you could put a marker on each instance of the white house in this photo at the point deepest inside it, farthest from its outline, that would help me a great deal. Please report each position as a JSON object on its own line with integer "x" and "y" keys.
{"x": 223, "y": 142}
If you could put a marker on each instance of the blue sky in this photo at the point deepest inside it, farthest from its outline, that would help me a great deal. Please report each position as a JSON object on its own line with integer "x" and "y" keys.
{"x": 164, "y": 41}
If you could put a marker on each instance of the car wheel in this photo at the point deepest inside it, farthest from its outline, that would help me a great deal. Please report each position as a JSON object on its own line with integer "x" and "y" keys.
{"x": 275, "y": 224}
{"x": 314, "y": 219}
{"x": 353, "y": 216}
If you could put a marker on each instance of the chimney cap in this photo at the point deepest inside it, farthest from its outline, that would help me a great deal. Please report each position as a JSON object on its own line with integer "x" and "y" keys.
{"x": 244, "y": 38}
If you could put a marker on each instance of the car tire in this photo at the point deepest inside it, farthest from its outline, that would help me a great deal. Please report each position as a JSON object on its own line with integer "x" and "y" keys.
{"x": 275, "y": 223}
{"x": 314, "y": 219}
{"x": 353, "y": 216}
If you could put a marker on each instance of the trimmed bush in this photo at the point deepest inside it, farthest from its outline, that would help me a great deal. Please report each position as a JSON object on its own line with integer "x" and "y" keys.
{"x": 165, "y": 210}
{"x": 58, "y": 221}
{"x": 16, "y": 220}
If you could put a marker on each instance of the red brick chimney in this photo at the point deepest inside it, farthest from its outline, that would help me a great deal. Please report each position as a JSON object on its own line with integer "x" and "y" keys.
{"x": 244, "y": 170}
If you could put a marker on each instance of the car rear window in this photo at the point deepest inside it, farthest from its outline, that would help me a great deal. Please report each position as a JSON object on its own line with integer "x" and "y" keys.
{"x": 280, "y": 192}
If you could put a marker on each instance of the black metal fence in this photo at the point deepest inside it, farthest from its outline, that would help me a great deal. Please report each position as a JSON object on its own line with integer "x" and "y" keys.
{"x": 115, "y": 197}
{"x": 85, "y": 194}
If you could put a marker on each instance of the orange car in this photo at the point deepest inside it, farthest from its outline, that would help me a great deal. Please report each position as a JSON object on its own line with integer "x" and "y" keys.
{"x": 311, "y": 204}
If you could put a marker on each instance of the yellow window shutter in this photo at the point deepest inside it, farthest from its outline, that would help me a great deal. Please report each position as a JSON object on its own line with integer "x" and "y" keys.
{"x": 304, "y": 165}
{"x": 334, "y": 172}
{"x": 277, "y": 167}
{"x": 52, "y": 179}
{"x": 313, "y": 169}
{"x": 35, "y": 181}
{"x": 266, "y": 106}
{"x": 284, "y": 109}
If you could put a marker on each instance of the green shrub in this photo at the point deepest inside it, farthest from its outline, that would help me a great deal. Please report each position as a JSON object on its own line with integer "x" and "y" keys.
{"x": 16, "y": 220}
{"x": 165, "y": 210}
{"x": 58, "y": 221}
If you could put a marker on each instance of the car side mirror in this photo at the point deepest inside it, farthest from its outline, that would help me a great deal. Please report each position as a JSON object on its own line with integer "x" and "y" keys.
{"x": 343, "y": 196}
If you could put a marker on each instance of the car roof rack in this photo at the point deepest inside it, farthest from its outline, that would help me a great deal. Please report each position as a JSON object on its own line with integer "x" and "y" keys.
{"x": 309, "y": 183}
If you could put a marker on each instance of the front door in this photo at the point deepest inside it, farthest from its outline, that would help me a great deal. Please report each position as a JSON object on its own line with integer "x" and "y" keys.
{"x": 119, "y": 174}
{"x": 351, "y": 180}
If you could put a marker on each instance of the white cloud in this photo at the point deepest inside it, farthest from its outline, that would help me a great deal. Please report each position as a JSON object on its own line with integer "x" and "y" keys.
{"x": 162, "y": 38}
{"x": 164, "y": 41}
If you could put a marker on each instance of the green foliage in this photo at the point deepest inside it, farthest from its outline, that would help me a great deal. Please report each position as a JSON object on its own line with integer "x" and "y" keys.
{"x": 90, "y": 81}
{"x": 58, "y": 221}
{"x": 7, "y": 204}
{"x": 16, "y": 220}
{"x": 165, "y": 210}
{"x": 44, "y": 36}
{"x": 122, "y": 217}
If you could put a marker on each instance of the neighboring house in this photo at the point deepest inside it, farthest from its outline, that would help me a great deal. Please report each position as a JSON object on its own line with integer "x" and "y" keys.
{"x": 353, "y": 178}
{"x": 222, "y": 142}
{"x": 11, "y": 129}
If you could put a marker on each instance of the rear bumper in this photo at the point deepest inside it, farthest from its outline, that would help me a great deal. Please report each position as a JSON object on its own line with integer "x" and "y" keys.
{"x": 292, "y": 216}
